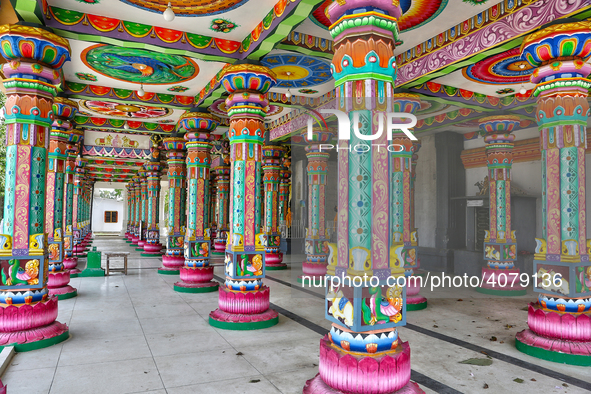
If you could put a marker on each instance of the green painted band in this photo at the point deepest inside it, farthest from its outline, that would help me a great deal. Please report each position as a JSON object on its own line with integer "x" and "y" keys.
{"x": 65, "y": 296}
{"x": 224, "y": 325}
{"x": 416, "y": 307}
{"x": 279, "y": 268}
{"x": 169, "y": 272}
{"x": 27, "y": 347}
{"x": 563, "y": 358}
{"x": 209, "y": 289}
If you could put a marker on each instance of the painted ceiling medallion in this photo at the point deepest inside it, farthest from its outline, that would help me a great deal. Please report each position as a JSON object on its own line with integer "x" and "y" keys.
{"x": 308, "y": 91}
{"x": 415, "y": 13}
{"x": 505, "y": 91}
{"x": 502, "y": 69}
{"x": 139, "y": 65}
{"x": 107, "y": 108}
{"x": 298, "y": 71}
{"x": 86, "y": 77}
{"x": 187, "y": 8}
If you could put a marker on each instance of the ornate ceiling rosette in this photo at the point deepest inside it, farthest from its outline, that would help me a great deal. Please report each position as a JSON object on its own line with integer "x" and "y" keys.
{"x": 139, "y": 65}
{"x": 129, "y": 111}
{"x": 298, "y": 71}
{"x": 187, "y": 8}
{"x": 502, "y": 69}
{"x": 415, "y": 13}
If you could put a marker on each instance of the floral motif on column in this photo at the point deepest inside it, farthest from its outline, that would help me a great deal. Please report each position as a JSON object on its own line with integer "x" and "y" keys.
{"x": 560, "y": 322}
{"x": 196, "y": 274}
{"x": 244, "y": 299}
{"x": 152, "y": 167}
{"x": 59, "y": 277}
{"x": 129, "y": 207}
{"x": 362, "y": 352}
{"x": 174, "y": 258}
{"x": 284, "y": 194}
{"x": 272, "y": 158}
{"x": 32, "y": 72}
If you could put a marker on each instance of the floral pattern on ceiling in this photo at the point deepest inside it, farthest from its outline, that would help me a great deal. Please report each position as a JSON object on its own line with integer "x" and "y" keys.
{"x": 298, "y": 71}
{"x": 107, "y": 108}
{"x": 187, "y": 7}
{"x": 139, "y": 65}
{"x": 501, "y": 69}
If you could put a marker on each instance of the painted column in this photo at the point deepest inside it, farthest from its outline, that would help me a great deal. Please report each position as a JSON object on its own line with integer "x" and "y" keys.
{"x": 500, "y": 245}
{"x": 244, "y": 299}
{"x": 129, "y": 208}
{"x": 70, "y": 260}
{"x": 404, "y": 235}
{"x": 196, "y": 274}
{"x": 223, "y": 203}
{"x": 414, "y": 301}
{"x": 213, "y": 196}
{"x": 143, "y": 219}
{"x": 284, "y": 188}
{"x": 362, "y": 353}
{"x": 560, "y": 323}
{"x": 316, "y": 246}
{"x": 77, "y": 215}
{"x": 152, "y": 247}
{"x": 28, "y": 313}
{"x": 137, "y": 195}
{"x": 174, "y": 258}
{"x": 272, "y": 158}
{"x": 59, "y": 277}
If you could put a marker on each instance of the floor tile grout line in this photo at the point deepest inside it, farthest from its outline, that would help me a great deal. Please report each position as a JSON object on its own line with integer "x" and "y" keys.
{"x": 477, "y": 348}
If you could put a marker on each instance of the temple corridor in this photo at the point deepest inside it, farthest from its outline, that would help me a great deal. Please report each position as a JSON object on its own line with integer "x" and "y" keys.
{"x": 135, "y": 334}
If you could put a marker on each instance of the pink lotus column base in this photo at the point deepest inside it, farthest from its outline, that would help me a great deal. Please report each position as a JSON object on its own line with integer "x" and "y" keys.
{"x": 141, "y": 243}
{"x": 274, "y": 261}
{"x": 342, "y": 372}
{"x": 243, "y": 310}
{"x": 58, "y": 285}
{"x": 171, "y": 265}
{"x": 155, "y": 249}
{"x": 414, "y": 301}
{"x": 316, "y": 271}
{"x": 219, "y": 246}
{"x": 70, "y": 263}
{"x": 558, "y": 337}
{"x": 134, "y": 240}
{"x": 24, "y": 325}
{"x": 509, "y": 278}
{"x": 196, "y": 280}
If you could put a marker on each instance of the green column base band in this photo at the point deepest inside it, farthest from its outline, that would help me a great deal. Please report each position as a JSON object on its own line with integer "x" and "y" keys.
{"x": 416, "y": 307}
{"x": 207, "y": 289}
{"x": 27, "y": 347}
{"x": 139, "y": 249}
{"x": 168, "y": 272}
{"x": 65, "y": 296}
{"x": 224, "y": 325}
{"x": 556, "y": 357}
{"x": 267, "y": 268}
{"x": 151, "y": 254}
{"x": 501, "y": 293}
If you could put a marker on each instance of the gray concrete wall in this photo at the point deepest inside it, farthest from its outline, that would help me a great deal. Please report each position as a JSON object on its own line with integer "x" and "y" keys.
{"x": 425, "y": 192}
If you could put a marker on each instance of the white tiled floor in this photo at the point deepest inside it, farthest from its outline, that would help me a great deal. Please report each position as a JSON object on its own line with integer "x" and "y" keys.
{"x": 135, "y": 334}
